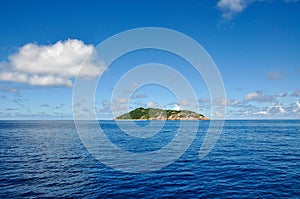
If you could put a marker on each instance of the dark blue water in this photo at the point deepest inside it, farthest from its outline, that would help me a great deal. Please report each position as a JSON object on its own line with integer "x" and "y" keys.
{"x": 252, "y": 159}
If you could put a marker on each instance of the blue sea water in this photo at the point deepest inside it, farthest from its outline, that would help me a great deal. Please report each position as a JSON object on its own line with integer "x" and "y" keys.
{"x": 252, "y": 159}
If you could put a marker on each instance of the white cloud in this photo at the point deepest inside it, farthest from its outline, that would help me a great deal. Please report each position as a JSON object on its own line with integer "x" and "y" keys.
{"x": 151, "y": 104}
{"x": 259, "y": 97}
{"x": 277, "y": 109}
{"x": 261, "y": 113}
{"x": 267, "y": 106}
{"x": 281, "y": 109}
{"x": 119, "y": 105}
{"x": 226, "y": 102}
{"x": 186, "y": 102}
{"x": 251, "y": 96}
{"x": 230, "y": 8}
{"x": 121, "y": 100}
{"x": 35, "y": 80}
{"x": 176, "y": 107}
{"x": 218, "y": 114}
{"x": 51, "y": 65}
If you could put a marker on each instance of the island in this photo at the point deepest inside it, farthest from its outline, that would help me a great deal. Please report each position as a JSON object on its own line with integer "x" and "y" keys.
{"x": 160, "y": 114}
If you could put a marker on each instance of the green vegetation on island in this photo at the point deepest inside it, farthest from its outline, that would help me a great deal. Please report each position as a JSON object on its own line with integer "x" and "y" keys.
{"x": 160, "y": 114}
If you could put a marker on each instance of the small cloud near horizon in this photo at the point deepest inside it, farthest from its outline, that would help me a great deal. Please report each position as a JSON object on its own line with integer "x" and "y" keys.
{"x": 258, "y": 96}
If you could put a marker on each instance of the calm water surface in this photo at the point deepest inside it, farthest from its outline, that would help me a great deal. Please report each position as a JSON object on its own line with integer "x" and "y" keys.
{"x": 252, "y": 159}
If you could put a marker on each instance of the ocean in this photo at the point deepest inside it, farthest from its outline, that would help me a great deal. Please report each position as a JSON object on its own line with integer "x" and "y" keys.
{"x": 251, "y": 159}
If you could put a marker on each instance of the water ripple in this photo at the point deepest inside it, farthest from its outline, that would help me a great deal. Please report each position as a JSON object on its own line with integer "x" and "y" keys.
{"x": 252, "y": 159}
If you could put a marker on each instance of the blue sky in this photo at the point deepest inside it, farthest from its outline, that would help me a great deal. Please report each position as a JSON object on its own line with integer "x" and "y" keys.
{"x": 255, "y": 45}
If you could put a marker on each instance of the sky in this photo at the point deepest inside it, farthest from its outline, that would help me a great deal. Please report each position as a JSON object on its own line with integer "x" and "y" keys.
{"x": 254, "y": 44}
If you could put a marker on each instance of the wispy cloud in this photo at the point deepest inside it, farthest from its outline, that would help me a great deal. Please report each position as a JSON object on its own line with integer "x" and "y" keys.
{"x": 139, "y": 96}
{"x": 261, "y": 112}
{"x": 226, "y": 102}
{"x": 257, "y": 104}
{"x": 296, "y": 93}
{"x": 152, "y": 104}
{"x": 119, "y": 105}
{"x": 39, "y": 115}
{"x": 50, "y": 65}
{"x": 230, "y": 8}
{"x": 260, "y": 105}
{"x": 45, "y": 105}
{"x": 105, "y": 107}
{"x": 275, "y": 75}
{"x": 11, "y": 109}
{"x": 8, "y": 90}
{"x": 259, "y": 96}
